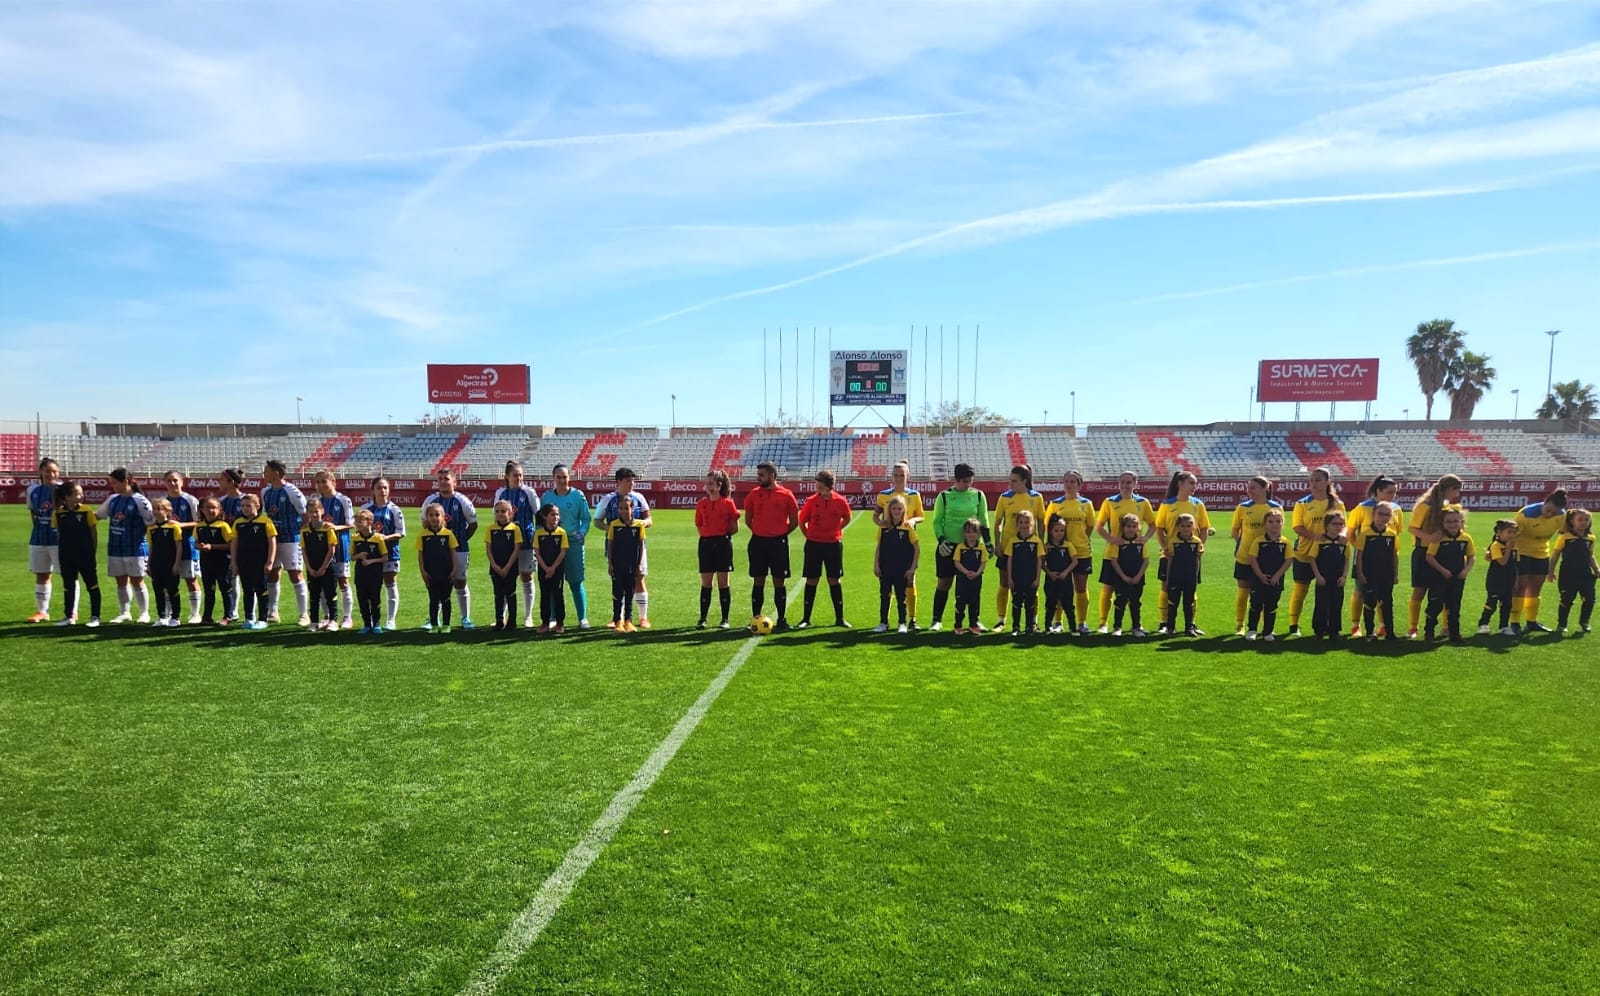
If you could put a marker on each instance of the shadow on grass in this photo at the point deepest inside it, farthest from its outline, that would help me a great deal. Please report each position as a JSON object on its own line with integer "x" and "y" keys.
{"x": 290, "y": 637}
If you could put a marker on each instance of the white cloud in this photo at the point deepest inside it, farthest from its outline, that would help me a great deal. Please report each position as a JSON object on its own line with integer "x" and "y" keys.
{"x": 1361, "y": 271}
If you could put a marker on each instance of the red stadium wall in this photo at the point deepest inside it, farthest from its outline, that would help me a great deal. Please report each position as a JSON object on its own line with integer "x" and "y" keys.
{"x": 1477, "y": 493}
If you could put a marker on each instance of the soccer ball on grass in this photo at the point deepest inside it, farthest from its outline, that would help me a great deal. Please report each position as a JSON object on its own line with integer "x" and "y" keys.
{"x": 761, "y": 625}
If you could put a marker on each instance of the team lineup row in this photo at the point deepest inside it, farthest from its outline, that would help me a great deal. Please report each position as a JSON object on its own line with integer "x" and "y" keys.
{"x": 234, "y": 547}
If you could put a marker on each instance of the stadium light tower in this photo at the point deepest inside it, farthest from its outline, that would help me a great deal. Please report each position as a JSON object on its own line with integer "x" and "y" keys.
{"x": 1074, "y": 407}
{"x": 297, "y": 400}
{"x": 1550, "y": 376}
{"x": 1516, "y": 402}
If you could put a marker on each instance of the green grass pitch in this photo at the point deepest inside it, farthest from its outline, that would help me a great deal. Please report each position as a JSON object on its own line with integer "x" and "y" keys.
{"x": 206, "y": 811}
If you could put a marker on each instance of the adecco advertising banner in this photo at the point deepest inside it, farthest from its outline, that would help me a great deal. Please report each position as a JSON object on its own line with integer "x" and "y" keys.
{"x": 1221, "y": 495}
{"x": 477, "y": 384}
{"x": 1317, "y": 380}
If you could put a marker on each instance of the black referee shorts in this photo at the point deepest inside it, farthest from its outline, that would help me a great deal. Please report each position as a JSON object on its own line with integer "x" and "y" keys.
{"x": 716, "y": 554}
{"x": 769, "y": 555}
{"x": 1303, "y": 572}
{"x": 820, "y": 559}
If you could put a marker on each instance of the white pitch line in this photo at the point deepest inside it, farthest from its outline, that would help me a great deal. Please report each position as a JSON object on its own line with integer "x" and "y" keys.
{"x": 546, "y": 903}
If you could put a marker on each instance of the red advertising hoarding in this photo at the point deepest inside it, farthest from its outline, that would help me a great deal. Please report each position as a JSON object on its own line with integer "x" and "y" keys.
{"x": 477, "y": 384}
{"x": 1317, "y": 380}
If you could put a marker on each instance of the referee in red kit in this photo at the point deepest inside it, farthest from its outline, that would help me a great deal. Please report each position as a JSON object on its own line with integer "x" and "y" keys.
{"x": 772, "y": 514}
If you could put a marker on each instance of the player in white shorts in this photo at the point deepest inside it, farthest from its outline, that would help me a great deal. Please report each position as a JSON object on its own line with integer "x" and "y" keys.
{"x": 128, "y": 514}
{"x": 462, "y": 520}
{"x": 524, "y": 503}
{"x": 605, "y": 512}
{"x": 339, "y": 512}
{"x": 390, "y": 523}
{"x": 284, "y": 504}
{"x": 186, "y": 512}
{"x": 43, "y": 543}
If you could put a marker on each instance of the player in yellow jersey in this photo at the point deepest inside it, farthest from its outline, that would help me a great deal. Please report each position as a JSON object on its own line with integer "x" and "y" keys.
{"x": 1426, "y": 527}
{"x": 1180, "y": 501}
{"x": 1019, "y": 498}
{"x": 1079, "y": 513}
{"x": 1380, "y": 491}
{"x": 1306, "y": 522}
{"x": 1107, "y": 523}
{"x": 1537, "y": 525}
{"x": 914, "y": 516}
{"x": 1249, "y": 525}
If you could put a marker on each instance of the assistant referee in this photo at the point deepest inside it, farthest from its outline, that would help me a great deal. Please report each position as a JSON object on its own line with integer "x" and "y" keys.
{"x": 772, "y": 514}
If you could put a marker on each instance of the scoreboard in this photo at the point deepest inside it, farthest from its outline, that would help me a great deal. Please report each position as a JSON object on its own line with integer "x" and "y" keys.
{"x": 868, "y": 377}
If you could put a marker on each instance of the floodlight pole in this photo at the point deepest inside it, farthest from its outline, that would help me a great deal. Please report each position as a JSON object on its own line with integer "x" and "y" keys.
{"x": 1550, "y": 376}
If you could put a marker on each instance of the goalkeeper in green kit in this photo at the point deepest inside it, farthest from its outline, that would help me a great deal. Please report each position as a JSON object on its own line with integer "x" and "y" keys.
{"x": 950, "y": 512}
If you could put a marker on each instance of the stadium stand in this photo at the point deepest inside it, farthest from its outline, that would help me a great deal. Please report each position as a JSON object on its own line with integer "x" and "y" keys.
{"x": 986, "y": 452}
{"x": 1581, "y": 452}
{"x": 1425, "y": 452}
{"x": 1115, "y": 451}
{"x": 19, "y": 450}
{"x": 296, "y": 448}
{"x": 485, "y": 454}
{"x": 196, "y": 456}
{"x": 593, "y": 454}
{"x": 681, "y": 456}
{"x": 370, "y": 457}
{"x": 1099, "y": 454}
{"x": 96, "y": 452}
{"x": 1050, "y": 454}
{"x": 417, "y": 456}
{"x": 332, "y": 452}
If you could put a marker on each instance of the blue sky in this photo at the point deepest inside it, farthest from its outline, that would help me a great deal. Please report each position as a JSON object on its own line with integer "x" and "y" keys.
{"x": 207, "y": 210}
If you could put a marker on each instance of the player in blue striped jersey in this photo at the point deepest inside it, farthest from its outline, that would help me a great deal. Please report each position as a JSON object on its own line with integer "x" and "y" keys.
{"x": 524, "y": 502}
{"x": 284, "y": 504}
{"x": 186, "y": 513}
{"x": 43, "y": 555}
{"x": 462, "y": 521}
{"x": 576, "y": 519}
{"x": 229, "y": 499}
{"x": 389, "y": 522}
{"x": 605, "y": 513}
{"x": 339, "y": 513}
{"x": 128, "y": 514}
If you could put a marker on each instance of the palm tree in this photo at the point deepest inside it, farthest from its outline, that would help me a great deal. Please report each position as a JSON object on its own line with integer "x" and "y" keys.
{"x": 1434, "y": 347}
{"x": 1570, "y": 400}
{"x": 1470, "y": 377}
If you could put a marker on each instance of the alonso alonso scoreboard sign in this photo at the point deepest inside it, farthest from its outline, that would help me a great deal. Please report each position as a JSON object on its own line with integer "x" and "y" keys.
{"x": 867, "y": 377}
{"x": 476, "y": 384}
{"x": 1317, "y": 380}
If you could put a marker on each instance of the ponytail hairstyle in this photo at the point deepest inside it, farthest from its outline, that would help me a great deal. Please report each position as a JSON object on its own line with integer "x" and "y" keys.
{"x": 1025, "y": 472}
{"x": 121, "y": 476}
{"x": 1178, "y": 477}
{"x": 1076, "y": 476}
{"x": 64, "y": 489}
{"x": 1265, "y": 484}
{"x": 1379, "y": 483}
{"x": 1333, "y": 486}
{"x": 1558, "y": 498}
{"x": 47, "y": 462}
{"x": 235, "y": 475}
{"x": 1434, "y": 499}
{"x": 544, "y": 511}
{"x": 510, "y": 466}
{"x": 1571, "y": 513}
